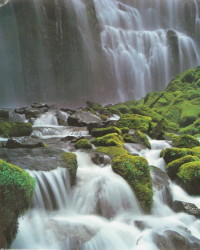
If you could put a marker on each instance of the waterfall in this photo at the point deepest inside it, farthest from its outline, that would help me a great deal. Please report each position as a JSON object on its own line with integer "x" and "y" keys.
{"x": 70, "y": 51}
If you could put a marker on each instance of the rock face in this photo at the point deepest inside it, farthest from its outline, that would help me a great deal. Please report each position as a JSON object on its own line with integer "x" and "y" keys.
{"x": 189, "y": 208}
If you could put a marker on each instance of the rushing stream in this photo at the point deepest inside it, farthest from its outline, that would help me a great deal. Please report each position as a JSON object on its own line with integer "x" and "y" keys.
{"x": 100, "y": 212}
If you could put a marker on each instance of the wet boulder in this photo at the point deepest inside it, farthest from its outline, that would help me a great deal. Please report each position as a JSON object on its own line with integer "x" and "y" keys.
{"x": 186, "y": 207}
{"x": 33, "y": 113}
{"x": 82, "y": 118}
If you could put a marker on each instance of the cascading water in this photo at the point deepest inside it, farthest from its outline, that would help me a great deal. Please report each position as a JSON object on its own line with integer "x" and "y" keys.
{"x": 98, "y": 213}
{"x": 70, "y": 51}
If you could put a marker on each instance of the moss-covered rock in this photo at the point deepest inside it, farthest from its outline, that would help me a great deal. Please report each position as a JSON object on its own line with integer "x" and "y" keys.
{"x": 83, "y": 144}
{"x": 130, "y": 138}
{"x": 142, "y": 139}
{"x": 16, "y": 188}
{"x": 113, "y": 139}
{"x": 98, "y": 132}
{"x": 133, "y": 121}
{"x": 185, "y": 141}
{"x": 135, "y": 170}
{"x": 14, "y": 129}
{"x": 173, "y": 167}
{"x": 172, "y": 154}
{"x": 169, "y": 136}
{"x": 70, "y": 162}
{"x": 112, "y": 151}
{"x": 189, "y": 175}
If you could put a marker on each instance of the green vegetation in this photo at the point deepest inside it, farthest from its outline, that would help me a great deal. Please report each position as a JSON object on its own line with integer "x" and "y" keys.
{"x": 70, "y": 162}
{"x": 98, "y": 132}
{"x": 185, "y": 141}
{"x": 133, "y": 121}
{"x": 113, "y": 139}
{"x": 173, "y": 167}
{"x": 124, "y": 130}
{"x": 83, "y": 144}
{"x": 136, "y": 171}
{"x": 16, "y": 188}
{"x": 14, "y": 129}
{"x": 112, "y": 151}
{"x": 189, "y": 175}
{"x": 4, "y": 114}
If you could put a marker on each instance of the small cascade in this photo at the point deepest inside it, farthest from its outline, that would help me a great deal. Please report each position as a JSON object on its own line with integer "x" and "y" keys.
{"x": 46, "y": 119}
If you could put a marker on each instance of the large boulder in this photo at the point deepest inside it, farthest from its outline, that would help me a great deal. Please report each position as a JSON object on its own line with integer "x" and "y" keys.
{"x": 189, "y": 177}
{"x": 82, "y": 118}
{"x": 173, "y": 167}
{"x": 16, "y": 190}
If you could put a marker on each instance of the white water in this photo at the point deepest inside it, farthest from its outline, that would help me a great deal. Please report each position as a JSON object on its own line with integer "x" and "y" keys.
{"x": 98, "y": 213}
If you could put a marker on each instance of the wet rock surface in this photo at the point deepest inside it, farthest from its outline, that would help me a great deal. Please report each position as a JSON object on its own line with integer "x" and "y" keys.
{"x": 189, "y": 208}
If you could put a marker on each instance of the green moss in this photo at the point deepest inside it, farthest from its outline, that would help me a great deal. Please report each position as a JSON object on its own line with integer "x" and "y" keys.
{"x": 130, "y": 138}
{"x": 124, "y": 130}
{"x": 173, "y": 167}
{"x": 17, "y": 188}
{"x": 13, "y": 129}
{"x": 112, "y": 151}
{"x": 98, "y": 132}
{"x": 185, "y": 141}
{"x": 83, "y": 144}
{"x": 114, "y": 111}
{"x": 189, "y": 113}
{"x": 135, "y": 170}
{"x": 132, "y": 121}
{"x": 142, "y": 139}
{"x": 169, "y": 136}
{"x": 113, "y": 139}
{"x": 146, "y": 111}
{"x": 172, "y": 154}
{"x": 70, "y": 162}
{"x": 122, "y": 108}
{"x": 189, "y": 175}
